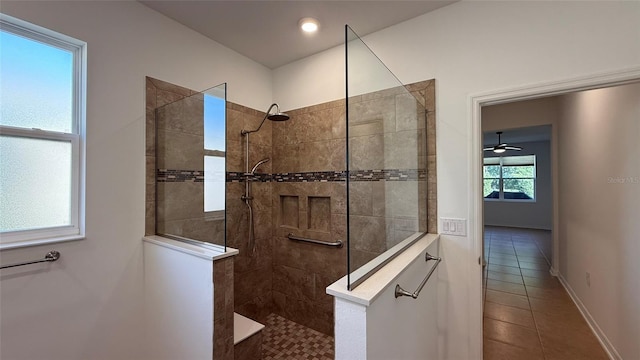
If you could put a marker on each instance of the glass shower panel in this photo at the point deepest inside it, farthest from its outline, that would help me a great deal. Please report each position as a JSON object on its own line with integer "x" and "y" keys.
{"x": 190, "y": 167}
{"x": 386, "y": 162}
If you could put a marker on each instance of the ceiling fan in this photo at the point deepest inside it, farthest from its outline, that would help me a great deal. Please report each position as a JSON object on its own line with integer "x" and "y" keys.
{"x": 501, "y": 147}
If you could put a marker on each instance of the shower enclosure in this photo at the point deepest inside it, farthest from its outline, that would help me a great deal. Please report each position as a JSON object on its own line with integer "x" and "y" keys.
{"x": 358, "y": 171}
{"x": 190, "y": 167}
{"x": 387, "y": 159}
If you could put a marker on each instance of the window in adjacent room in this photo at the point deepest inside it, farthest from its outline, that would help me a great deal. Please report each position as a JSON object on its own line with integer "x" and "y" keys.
{"x": 42, "y": 97}
{"x": 510, "y": 178}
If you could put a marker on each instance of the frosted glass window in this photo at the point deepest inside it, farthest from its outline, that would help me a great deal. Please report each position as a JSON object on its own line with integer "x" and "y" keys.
{"x": 42, "y": 113}
{"x": 35, "y": 183}
{"x": 214, "y": 183}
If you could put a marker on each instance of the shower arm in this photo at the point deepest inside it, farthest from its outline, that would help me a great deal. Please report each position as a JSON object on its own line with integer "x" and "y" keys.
{"x": 246, "y": 132}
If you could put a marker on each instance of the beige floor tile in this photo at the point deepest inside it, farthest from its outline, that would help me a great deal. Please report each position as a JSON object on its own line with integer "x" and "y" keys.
{"x": 554, "y": 328}
{"x": 578, "y": 349}
{"x": 509, "y": 314}
{"x": 553, "y": 306}
{"x": 495, "y": 275}
{"x": 511, "y": 334}
{"x": 508, "y": 287}
{"x": 535, "y": 273}
{"x": 533, "y": 259}
{"x": 565, "y": 325}
{"x": 504, "y": 269}
{"x": 534, "y": 266}
{"x": 504, "y": 298}
{"x": 546, "y": 293}
{"x": 528, "y": 252}
{"x": 498, "y": 261}
{"x": 503, "y": 257}
{"x": 542, "y": 282}
{"x": 502, "y": 250}
{"x": 495, "y": 350}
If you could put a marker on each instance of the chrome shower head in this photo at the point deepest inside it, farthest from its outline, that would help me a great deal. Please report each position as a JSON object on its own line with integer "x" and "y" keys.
{"x": 278, "y": 117}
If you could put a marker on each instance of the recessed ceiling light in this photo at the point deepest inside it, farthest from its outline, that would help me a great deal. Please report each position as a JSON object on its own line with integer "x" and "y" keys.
{"x": 308, "y": 25}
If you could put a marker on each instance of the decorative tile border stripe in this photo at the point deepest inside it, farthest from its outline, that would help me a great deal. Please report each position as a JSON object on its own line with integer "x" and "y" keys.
{"x": 239, "y": 177}
{"x": 315, "y": 176}
{"x": 388, "y": 175}
{"x": 166, "y": 175}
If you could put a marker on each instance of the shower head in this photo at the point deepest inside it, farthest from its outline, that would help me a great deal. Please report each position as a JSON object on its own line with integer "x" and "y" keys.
{"x": 277, "y": 116}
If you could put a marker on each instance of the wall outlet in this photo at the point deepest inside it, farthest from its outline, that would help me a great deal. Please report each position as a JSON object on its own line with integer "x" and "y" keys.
{"x": 453, "y": 226}
{"x": 588, "y": 276}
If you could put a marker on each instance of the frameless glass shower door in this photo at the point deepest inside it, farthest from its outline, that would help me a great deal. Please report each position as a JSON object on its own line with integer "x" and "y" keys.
{"x": 386, "y": 162}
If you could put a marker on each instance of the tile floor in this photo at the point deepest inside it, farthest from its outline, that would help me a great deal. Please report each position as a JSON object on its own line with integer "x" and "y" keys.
{"x": 285, "y": 339}
{"x": 527, "y": 312}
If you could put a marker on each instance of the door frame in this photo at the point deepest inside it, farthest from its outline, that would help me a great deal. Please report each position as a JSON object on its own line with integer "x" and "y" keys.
{"x": 475, "y": 211}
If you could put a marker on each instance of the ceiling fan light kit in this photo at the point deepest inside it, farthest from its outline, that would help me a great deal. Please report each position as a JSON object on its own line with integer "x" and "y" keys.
{"x": 501, "y": 147}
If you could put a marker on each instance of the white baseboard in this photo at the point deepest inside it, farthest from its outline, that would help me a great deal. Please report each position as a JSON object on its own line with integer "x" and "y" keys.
{"x": 602, "y": 338}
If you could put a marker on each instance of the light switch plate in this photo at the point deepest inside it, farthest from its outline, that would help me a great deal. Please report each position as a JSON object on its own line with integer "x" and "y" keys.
{"x": 453, "y": 226}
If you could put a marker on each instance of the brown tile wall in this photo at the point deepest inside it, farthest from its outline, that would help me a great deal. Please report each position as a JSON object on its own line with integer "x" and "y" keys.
{"x": 223, "y": 308}
{"x": 314, "y": 139}
{"x": 253, "y": 271}
{"x": 174, "y": 133}
{"x": 391, "y": 129}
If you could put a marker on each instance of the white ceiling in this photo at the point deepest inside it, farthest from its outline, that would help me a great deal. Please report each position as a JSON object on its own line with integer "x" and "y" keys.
{"x": 267, "y": 31}
{"x": 519, "y": 135}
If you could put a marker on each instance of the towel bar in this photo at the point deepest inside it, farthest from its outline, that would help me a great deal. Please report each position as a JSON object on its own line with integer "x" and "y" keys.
{"x": 51, "y": 256}
{"x": 402, "y": 292}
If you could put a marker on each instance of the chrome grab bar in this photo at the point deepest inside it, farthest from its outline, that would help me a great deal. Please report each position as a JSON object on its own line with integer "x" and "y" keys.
{"x": 402, "y": 292}
{"x": 51, "y": 256}
{"x": 296, "y": 238}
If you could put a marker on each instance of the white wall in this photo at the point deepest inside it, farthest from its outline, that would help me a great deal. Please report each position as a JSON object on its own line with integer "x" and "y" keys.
{"x": 532, "y": 215}
{"x": 372, "y": 324}
{"x": 178, "y": 303}
{"x": 599, "y": 193}
{"x": 88, "y": 304}
{"x": 469, "y": 48}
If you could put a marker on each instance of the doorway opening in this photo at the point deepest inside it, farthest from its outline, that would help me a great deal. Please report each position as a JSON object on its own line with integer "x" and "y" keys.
{"x": 516, "y": 302}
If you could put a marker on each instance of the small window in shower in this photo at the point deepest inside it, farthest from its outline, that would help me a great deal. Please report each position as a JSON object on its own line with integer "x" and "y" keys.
{"x": 214, "y": 154}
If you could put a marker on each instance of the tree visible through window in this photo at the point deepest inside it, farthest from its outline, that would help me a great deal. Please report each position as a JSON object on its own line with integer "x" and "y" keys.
{"x": 510, "y": 178}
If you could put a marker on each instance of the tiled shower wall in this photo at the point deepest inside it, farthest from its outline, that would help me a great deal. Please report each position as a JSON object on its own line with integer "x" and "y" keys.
{"x": 310, "y": 146}
{"x": 388, "y": 158}
{"x": 252, "y": 272}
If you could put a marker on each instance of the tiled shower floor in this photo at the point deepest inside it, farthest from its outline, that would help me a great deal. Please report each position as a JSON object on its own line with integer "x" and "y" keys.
{"x": 285, "y": 339}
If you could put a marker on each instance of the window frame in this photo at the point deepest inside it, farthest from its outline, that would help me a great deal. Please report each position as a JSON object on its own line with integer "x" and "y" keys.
{"x": 502, "y": 178}
{"x": 76, "y": 230}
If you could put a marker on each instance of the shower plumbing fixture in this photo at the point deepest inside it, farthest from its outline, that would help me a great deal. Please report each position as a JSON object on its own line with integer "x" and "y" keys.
{"x": 248, "y": 175}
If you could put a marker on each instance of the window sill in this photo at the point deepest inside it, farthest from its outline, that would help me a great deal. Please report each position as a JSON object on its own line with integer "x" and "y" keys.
{"x": 531, "y": 201}
{"x": 38, "y": 242}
